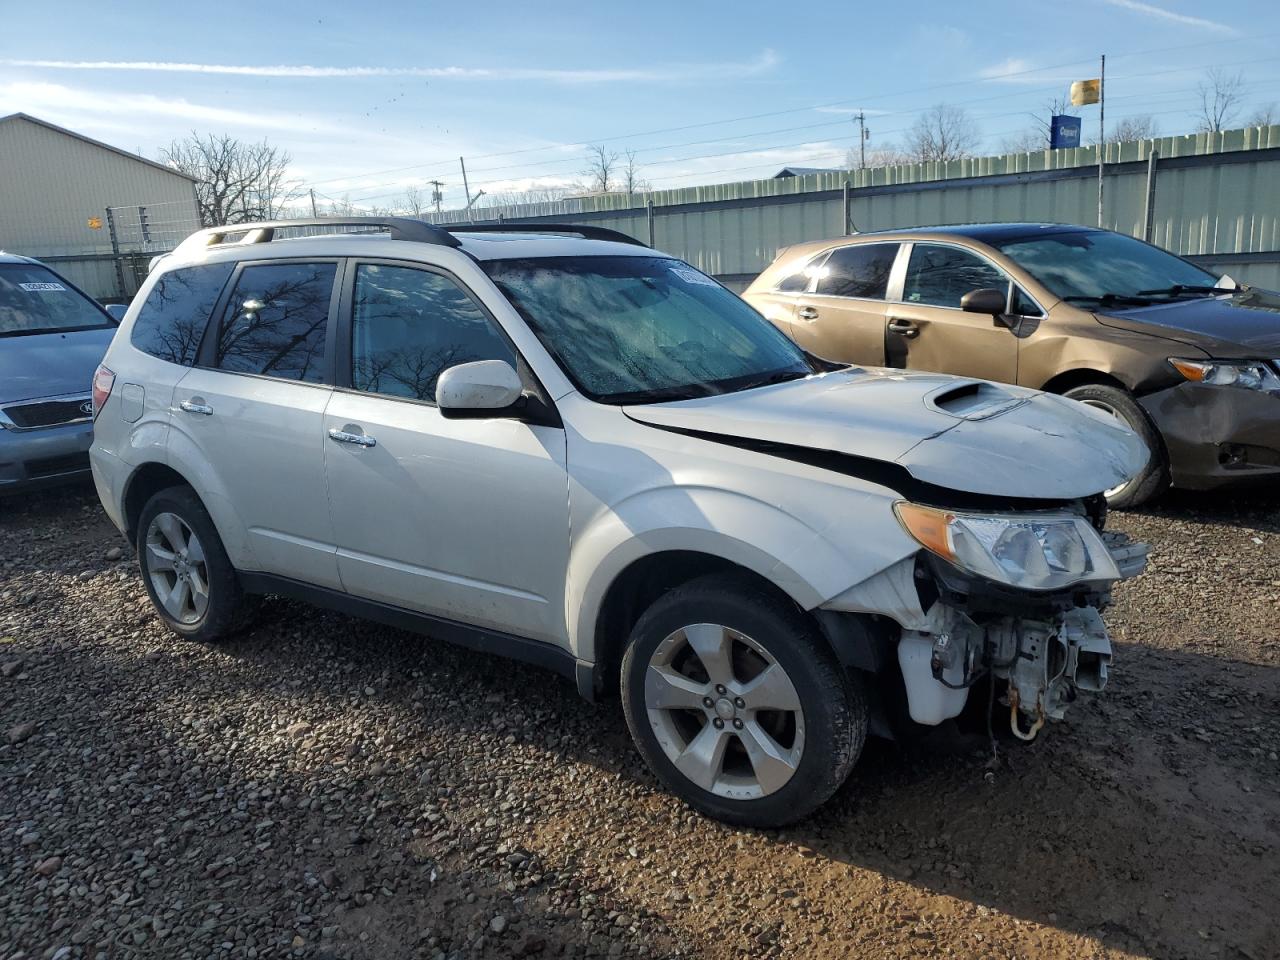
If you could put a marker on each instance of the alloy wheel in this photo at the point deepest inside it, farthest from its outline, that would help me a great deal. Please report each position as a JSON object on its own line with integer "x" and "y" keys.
{"x": 175, "y": 562}
{"x": 724, "y": 711}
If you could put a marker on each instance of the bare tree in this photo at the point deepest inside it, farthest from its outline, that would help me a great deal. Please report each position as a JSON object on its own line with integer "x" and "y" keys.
{"x": 1220, "y": 95}
{"x": 342, "y": 208}
{"x": 941, "y": 133}
{"x": 887, "y": 155}
{"x": 1263, "y": 116}
{"x": 602, "y": 169}
{"x": 1039, "y": 135}
{"x": 415, "y": 201}
{"x": 548, "y": 194}
{"x": 1141, "y": 126}
{"x": 632, "y": 182}
{"x": 236, "y": 182}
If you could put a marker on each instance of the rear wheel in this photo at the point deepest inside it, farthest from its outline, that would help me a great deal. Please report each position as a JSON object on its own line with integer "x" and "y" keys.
{"x": 738, "y": 705}
{"x": 185, "y": 568}
{"x": 1118, "y": 403}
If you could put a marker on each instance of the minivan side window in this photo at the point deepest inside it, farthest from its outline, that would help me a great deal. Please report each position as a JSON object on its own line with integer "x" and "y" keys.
{"x": 939, "y": 276}
{"x": 408, "y": 326}
{"x": 861, "y": 270}
{"x": 275, "y": 321}
{"x": 173, "y": 318}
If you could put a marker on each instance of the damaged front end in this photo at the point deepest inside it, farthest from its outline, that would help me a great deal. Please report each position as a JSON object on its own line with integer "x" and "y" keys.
{"x": 1012, "y": 597}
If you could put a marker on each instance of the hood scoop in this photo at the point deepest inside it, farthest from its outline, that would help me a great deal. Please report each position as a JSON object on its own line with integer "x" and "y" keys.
{"x": 972, "y": 400}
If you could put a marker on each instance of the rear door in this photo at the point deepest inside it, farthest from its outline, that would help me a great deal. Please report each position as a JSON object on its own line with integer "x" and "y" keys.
{"x": 841, "y": 317}
{"x": 926, "y": 328}
{"x": 252, "y": 410}
{"x": 466, "y": 519}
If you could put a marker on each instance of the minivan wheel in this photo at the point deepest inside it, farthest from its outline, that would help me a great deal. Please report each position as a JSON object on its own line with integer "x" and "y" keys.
{"x": 1119, "y": 403}
{"x": 738, "y": 705}
{"x": 185, "y": 569}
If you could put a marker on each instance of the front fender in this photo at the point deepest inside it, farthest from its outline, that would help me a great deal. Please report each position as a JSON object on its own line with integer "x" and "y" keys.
{"x": 800, "y": 560}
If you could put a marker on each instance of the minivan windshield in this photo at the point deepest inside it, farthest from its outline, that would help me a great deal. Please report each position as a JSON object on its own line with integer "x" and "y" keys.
{"x": 1099, "y": 265}
{"x": 644, "y": 329}
{"x": 33, "y": 299}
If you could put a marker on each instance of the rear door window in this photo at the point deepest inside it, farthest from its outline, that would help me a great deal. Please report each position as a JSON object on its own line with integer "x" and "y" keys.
{"x": 34, "y": 299}
{"x": 173, "y": 318}
{"x": 408, "y": 326}
{"x": 276, "y": 321}
{"x": 939, "y": 276}
{"x": 861, "y": 270}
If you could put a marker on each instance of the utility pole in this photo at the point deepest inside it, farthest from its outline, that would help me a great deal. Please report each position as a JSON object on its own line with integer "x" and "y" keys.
{"x": 313, "y": 203}
{"x": 436, "y": 195}
{"x": 466, "y": 187}
{"x": 1102, "y": 130}
{"x": 862, "y": 140}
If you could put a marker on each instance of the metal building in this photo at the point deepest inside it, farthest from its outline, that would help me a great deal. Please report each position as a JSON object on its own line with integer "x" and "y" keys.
{"x": 93, "y": 212}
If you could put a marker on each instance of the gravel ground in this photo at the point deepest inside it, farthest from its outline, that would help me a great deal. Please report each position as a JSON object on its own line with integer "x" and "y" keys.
{"x": 322, "y": 787}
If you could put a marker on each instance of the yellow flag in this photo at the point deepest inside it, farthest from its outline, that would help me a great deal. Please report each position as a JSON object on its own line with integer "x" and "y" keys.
{"x": 95, "y": 223}
{"x": 1084, "y": 92}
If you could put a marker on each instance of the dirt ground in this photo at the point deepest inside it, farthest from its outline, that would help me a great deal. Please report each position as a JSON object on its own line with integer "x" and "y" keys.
{"x": 322, "y": 787}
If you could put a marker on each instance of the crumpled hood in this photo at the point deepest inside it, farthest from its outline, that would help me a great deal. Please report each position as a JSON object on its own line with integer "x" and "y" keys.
{"x": 965, "y": 435}
{"x": 1245, "y": 325}
{"x": 50, "y": 364}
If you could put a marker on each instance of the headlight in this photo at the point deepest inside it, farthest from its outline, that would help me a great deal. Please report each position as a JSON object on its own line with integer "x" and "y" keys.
{"x": 1027, "y": 551}
{"x": 1250, "y": 374}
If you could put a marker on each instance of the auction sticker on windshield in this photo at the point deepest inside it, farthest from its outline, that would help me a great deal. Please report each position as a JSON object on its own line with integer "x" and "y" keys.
{"x": 43, "y": 287}
{"x": 693, "y": 276}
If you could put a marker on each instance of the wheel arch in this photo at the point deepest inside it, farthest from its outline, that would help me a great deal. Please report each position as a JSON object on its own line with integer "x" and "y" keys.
{"x": 1060, "y": 383}
{"x": 145, "y": 482}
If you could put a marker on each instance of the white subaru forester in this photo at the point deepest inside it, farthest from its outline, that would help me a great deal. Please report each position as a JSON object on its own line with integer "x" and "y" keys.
{"x": 554, "y": 443}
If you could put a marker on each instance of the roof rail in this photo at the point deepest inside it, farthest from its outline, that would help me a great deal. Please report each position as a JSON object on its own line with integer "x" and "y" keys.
{"x": 515, "y": 226}
{"x": 399, "y": 228}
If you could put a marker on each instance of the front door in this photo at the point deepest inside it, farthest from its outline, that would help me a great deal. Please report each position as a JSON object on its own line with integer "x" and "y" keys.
{"x": 841, "y": 317}
{"x": 462, "y": 519}
{"x": 252, "y": 411}
{"x": 926, "y": 328}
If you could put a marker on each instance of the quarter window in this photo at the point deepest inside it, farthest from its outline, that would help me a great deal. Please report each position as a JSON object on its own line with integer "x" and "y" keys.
{"x": 1023, "y": 305}
{"x": 173, "y": 317}
{"x": 276, "y": 319}
{"x": 858, "y": 271}
{"x": 408, "y": 326}
{"x": 939, "y": 276}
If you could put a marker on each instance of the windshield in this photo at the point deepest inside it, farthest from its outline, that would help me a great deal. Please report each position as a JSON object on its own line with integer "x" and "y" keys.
{"x": 1097, "y": 266}
{"x": 637, "y": 329}
{"x": 33, "y": 299}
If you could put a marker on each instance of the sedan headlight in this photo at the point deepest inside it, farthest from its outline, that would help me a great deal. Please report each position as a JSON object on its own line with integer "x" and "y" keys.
{"x": 1249, "y": 374}
{"x": 1026, "y": 551}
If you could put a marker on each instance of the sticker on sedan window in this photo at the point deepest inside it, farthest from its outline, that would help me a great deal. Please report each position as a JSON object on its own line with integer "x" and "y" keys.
{"x": 693, "y": 276}
{"x": 42, "y": 287}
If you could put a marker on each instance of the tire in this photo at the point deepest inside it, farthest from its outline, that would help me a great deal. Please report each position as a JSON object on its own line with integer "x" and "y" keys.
{"x": 177, "y": 544}
{"x": 1119, "y": 403}
{"x": 803, "y": 755}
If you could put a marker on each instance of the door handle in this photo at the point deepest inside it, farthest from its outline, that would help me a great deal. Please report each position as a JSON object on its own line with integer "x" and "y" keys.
{"x": 194, "y": 406}
{"x": 807, "y": 313}
{"x": 904, "y": 328}
{"x": 345, "y": 436}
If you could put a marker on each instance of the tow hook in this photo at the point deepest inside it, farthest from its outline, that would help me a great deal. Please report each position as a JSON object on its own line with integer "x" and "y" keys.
{"x": 1014, "y": 724}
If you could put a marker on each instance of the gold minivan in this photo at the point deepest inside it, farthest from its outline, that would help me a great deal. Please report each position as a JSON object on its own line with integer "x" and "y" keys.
{"x": 1189, "y": 360}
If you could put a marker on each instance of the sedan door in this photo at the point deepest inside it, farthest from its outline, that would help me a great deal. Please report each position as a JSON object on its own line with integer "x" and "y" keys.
{"x": 250, "y": 414}
{"x": 465, "y": 519}
{"x": 926, "y": 328}
{"x": 842, "y": 317}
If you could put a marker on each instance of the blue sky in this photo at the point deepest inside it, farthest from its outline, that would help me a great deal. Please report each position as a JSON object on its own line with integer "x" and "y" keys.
{"x": 371, "y": 97}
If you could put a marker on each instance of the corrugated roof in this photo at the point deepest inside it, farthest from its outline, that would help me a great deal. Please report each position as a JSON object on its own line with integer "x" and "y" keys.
{"x": 96, "y": 143}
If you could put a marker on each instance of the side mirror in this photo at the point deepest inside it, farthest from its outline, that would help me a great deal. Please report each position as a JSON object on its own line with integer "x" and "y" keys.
{"x": 116, "y": 310}
{"x": 985, "y": 300}
{"x": 485, "y": 388}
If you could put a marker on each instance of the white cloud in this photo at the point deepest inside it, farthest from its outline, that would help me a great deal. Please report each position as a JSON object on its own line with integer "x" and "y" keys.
{"x": 74, "y": 106}
{"x": 667, "y": 73}
{"x": 1019, "y": 70}
{"x": 1151, "y": 10}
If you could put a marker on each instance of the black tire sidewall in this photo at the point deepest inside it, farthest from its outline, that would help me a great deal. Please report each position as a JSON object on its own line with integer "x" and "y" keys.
{"x": 1154, "y": 477}
{"x": 835, "y": 713}
{"x": 226, "y": 598}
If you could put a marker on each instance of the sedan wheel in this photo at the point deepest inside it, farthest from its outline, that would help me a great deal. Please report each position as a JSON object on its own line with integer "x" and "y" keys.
{"x": 724, "y": 711}
{"x": 177, "y": 567}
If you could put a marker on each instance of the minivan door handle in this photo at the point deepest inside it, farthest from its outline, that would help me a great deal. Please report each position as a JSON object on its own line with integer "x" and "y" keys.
{"x": 346, "y": 436}
{"x": 807, "y": 313}
{"x": 196, "y": 406}
{"x": 903, "y": 328}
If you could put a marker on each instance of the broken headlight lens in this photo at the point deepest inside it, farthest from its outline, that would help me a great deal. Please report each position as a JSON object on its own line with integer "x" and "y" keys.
{"x": 1027, "y": 551}
{"x": 1249, "y": 374}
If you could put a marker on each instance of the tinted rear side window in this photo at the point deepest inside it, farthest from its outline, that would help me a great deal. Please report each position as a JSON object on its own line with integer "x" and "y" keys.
{"x": 176, "y": 311}
{"x": 276, "y": 319}
{"x": 858, "y": 271}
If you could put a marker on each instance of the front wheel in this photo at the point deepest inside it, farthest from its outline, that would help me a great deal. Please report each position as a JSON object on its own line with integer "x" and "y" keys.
{"x": 738, "y": 705}
{"x": 1118, "y": 403}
